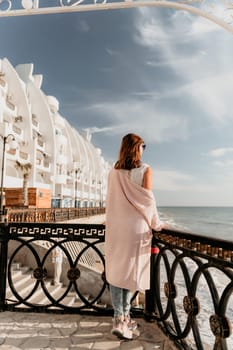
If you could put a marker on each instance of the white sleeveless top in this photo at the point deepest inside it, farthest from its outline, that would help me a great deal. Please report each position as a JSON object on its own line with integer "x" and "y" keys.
{"x": 136, "y": 174}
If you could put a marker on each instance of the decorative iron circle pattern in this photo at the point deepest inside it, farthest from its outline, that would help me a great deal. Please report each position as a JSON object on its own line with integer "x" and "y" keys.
{"x": 191, "y": 305}
{"x": 73, "y": 274}
{"x": 39, "y": 273}
{"x": 170, "y": 290}
{"x": 220, "y": 326}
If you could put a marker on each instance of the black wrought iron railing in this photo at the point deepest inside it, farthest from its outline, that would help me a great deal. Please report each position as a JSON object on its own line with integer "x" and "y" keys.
{"x": 27, "y": 251}
{"x": 191, "y": 279}
{"x": 192, "y": 287}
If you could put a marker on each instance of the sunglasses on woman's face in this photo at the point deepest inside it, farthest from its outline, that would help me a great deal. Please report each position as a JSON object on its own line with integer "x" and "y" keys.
{"x": 143, "y": 146}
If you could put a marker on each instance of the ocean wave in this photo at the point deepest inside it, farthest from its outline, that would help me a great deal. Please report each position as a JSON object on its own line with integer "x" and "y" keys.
{"x": 200, "y": 220}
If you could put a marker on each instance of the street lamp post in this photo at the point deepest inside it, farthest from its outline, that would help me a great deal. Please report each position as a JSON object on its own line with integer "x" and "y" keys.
{"x": 4, "y": 138}
{"x": 76, "y": 188}
{"x": 100, "y": 194}
{"x": 77, "y": 172}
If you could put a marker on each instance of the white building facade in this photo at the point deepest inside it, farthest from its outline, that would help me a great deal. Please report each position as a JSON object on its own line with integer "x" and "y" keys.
{"x": 58, "y": 156}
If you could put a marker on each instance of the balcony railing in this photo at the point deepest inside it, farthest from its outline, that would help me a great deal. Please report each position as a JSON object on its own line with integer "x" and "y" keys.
{"x": 50, "y": 214}
{"x": 2, "y": 82}
{"x": 192, "y": 287}
{"x": 16, "y": 129}
{"x": 191, "y": 279}
{"x": 10, "y": 104}
{"x": 23, "y": 155}
{"x": 40, "y": 143}
{"x": 34, "y": 120}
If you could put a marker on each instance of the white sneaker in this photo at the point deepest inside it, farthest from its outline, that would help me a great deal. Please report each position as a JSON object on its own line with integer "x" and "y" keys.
{"x": 127, "y": 333}
{"x": 120, "y": 329}
{"x": 132, "y": 325}
{"x": 117, "y": 328}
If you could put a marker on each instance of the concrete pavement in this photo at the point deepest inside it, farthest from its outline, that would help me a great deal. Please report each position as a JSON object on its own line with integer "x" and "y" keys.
{"x": 35, "y": 331}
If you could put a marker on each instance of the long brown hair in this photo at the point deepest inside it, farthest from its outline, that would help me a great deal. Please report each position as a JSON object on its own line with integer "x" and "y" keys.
{"x": 130, "y": 155}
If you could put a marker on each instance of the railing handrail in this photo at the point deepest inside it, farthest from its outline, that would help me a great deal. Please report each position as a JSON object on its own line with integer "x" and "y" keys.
{"x": 223, "y": 243}
{"x": 217, "y": 248}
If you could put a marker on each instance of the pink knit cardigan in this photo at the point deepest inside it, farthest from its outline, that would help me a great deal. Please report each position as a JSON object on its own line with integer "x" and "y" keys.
{"x": 130, "y": 214}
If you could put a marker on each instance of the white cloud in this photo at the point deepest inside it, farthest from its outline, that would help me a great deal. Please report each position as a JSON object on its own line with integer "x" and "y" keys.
{"x": 150, "y": 33}
{"x": 178, "y": 61}
{"x": 83, "y": 26}
{"x": 193, "y": 24}
{"x": 219, "y": 152}
{"x": 171, "y": 180}
{"x": 173, "y": 187}
{"x": 186, "y": 189}
{"x": 208, "y": 80}
{"x": 143, "y": 117}
{"x": 112, "y": 52}
{"x": 224, "y": 163}
{"x": 214, "y": 94}
{"x": 223, "y": 158}
{"x": 200, "y": 26}
{"x": 95, "y": 129}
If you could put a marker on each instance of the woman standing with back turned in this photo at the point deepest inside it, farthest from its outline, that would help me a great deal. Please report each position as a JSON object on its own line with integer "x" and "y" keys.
{"x": 131, "y": 213}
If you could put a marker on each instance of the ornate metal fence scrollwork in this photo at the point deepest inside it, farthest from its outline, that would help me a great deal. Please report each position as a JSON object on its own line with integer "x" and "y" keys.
{"x": 30, "y": 268}
{"x": 191, "y": 293}
{"x": 194, "y": 299}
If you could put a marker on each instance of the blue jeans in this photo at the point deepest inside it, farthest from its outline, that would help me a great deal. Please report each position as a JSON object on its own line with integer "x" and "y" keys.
{"x": 120, "y": 301}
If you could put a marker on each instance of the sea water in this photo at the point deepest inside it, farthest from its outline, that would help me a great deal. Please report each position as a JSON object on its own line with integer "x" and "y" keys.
{"x": 216, "y": 222}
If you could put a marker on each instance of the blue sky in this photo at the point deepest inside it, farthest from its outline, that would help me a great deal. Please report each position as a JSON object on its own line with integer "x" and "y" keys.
{"x": 161, "y": 73}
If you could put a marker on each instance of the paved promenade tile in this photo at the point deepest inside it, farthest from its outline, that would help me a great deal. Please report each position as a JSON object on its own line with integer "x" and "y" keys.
{"x": 34, "y": 331}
